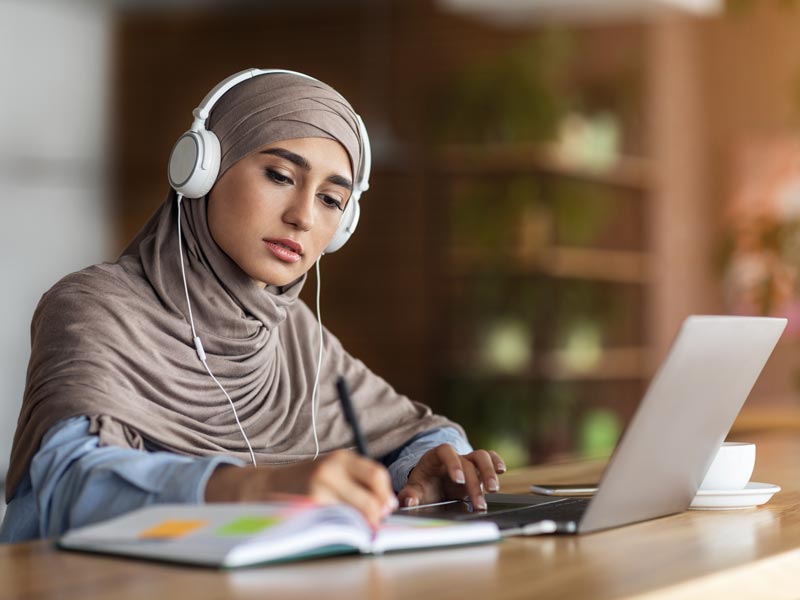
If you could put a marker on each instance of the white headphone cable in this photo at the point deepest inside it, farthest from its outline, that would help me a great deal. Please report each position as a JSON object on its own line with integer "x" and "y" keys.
{"x": 319, "y": 366}
{"x": 199, "y": 345}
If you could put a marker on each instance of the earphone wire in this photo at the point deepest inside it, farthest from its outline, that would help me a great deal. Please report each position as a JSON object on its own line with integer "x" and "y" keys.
{"x": 199, "y": 345}
{"x": 183, "y": 271}
{"x": 319, "y": 366}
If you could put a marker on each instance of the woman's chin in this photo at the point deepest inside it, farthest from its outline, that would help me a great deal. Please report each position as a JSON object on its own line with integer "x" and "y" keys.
{"x": 276, "y": 279}
{"x": 279, "y": 275}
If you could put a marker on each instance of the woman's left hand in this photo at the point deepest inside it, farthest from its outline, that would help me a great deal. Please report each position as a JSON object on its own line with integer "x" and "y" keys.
{"x": 443, "y": 474}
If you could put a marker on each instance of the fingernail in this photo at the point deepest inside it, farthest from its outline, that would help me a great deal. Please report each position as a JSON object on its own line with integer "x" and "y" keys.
{"x": 460, "y": 477}
{"x": 391, "y": 504}
{"x": 501, "y": 467}
{"x": 411, "y": 502}
{"x": 493, "y": 485}
{"x": 481, "y": 504}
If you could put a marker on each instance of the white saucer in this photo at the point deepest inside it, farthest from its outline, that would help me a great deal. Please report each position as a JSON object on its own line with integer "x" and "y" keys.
{"x": 753, "y": 494}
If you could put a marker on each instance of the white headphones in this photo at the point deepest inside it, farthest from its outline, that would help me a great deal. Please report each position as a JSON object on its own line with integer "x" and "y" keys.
{"x": 195, "y": 159}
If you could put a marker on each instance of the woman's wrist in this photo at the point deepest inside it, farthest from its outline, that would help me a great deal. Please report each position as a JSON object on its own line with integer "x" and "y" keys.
{"x": 231, "y": 483}
{"x": 220, "y": 484}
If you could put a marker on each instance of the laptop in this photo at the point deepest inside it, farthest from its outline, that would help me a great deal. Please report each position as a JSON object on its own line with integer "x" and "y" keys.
{"x": 666, "y": 449}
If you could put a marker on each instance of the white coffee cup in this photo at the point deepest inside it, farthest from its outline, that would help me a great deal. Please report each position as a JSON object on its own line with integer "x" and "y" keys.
{"x": 731, "y": 468}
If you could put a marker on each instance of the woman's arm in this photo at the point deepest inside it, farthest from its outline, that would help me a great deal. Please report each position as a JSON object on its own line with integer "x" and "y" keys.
{"x": 73, "y": 482}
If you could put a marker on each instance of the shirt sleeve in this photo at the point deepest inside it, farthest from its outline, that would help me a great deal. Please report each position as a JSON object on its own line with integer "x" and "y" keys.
{"x": 401, "y": 461}
{"x": 74, "y": 482}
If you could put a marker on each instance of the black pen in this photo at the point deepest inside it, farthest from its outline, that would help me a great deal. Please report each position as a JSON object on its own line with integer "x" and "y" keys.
{"x": 350, "y": 415}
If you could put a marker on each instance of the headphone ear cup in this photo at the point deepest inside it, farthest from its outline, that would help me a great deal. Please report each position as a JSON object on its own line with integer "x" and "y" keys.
{"x": 194, "y": 163}
{"x": 347, "y": 225}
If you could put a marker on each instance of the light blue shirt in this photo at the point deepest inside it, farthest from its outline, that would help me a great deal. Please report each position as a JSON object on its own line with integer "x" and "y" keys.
{"x": 73, "y": 481}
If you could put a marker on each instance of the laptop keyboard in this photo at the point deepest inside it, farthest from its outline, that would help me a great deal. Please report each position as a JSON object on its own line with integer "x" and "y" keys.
{"x": 566, "y": 510}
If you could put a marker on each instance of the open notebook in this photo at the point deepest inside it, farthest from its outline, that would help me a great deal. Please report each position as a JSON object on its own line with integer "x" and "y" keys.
{"x": 234, "y": 535}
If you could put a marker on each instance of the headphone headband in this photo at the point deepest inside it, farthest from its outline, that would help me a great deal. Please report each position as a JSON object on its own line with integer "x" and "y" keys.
{"x": 203, "y": 109}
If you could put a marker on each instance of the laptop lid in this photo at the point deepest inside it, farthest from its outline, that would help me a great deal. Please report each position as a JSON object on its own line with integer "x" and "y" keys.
{"x": 688, "y": 409}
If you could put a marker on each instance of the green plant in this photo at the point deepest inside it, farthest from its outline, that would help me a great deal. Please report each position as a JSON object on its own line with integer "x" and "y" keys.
{"x": 533, "y": 420}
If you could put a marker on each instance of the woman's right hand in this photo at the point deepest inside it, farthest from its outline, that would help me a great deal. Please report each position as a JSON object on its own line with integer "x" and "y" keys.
{"x": 341, "y": 476}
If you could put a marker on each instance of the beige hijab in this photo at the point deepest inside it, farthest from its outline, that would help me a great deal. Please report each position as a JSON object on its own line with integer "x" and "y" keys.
{"x": 113, "y": 341}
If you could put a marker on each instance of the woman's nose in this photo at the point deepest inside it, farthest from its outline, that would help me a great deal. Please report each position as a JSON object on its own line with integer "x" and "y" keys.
{"x": 300, "y": 211}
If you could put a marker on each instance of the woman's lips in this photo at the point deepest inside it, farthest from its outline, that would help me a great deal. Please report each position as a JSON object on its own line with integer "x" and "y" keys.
{"x": 286, "y": 250}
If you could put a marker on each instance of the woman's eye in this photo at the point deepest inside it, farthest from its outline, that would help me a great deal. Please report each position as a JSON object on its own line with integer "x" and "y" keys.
{"x": 331, "y": 202}
{"x": 280, "y": 179}
{"x": 277, "y": 177}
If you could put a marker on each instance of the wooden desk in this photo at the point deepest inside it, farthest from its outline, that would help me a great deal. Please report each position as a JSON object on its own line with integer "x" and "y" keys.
{"x": 748, "y": 553}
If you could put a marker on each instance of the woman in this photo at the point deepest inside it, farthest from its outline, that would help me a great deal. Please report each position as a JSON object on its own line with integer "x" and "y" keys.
{"x": 159, "y": 377}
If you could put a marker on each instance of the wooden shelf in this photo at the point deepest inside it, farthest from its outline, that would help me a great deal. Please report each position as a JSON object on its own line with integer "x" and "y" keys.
{"x": 620, "y": 266}
{"x": 767, "y": 418}
{"x": 628, "y": 171}
{"x": 613, "y": 364}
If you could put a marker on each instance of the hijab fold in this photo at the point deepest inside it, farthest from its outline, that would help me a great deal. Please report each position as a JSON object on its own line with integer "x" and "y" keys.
{"x": 113, "y": 342}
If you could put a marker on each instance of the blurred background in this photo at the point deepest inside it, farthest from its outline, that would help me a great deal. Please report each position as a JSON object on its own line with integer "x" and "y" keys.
{"x": 556, "y": 184}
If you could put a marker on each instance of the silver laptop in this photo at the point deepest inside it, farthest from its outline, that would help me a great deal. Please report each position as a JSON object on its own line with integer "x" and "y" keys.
{"x": 668, "y": 445}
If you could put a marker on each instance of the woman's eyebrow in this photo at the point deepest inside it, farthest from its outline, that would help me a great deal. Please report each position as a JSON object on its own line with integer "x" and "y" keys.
{"x": 290, "y": 156}
{"x": 303, "y": 164}
{"x": 342, "y": 181}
